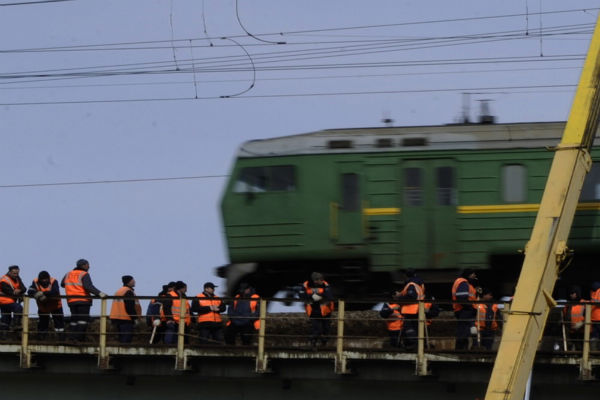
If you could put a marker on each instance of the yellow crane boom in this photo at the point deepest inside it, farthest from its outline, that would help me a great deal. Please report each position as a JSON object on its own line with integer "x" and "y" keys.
{"x": 547, "y": 246}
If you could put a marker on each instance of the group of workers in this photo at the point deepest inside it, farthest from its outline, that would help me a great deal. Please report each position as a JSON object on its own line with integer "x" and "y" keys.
{"x": 476, "y": 312}
{"x": 163, "y": 314}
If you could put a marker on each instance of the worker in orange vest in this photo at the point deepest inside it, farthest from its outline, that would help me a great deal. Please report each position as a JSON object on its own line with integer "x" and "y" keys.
{"x": 207, "y": 307}
{"x": 78, "y": 282}
{"x": 44, "y": 289}
{"x": 318, "y": 298}
{"x": 413, "y": 290}
{"x": 393, "y": 318}
{"x": 574, "y": 317}
{"x": 595, "y": 299}
{"x": 463, "y": 292}
{"x": 487, "y": 318}
{"x": 11, "y": 285}
{"x": 243, "y": 315}
{"x": 125, "y": 311}
{"x": 172, "y": 305}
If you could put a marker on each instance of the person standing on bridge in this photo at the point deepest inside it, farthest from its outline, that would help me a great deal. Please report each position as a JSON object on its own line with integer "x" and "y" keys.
{"x": 41, "y": 288}
{"x": 487, "y": 319}
{"x": 11, "y": 285}
{"x": 208, "y": 308}
{"x": 125, "y": 311}
{"x": 172, "y": 306}
{"x": 463, "y": 292}
{"x": 574, "y": 318}
{"x": 243, "y": 315}
{"x": 78, "y": 282}
{"x": 414, "y": 290}
{"x": 319, "y": 305}
{"x": 393, "y": 318}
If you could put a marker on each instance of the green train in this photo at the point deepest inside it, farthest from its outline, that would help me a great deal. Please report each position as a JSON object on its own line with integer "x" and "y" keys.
{"x": 364, "y": 205}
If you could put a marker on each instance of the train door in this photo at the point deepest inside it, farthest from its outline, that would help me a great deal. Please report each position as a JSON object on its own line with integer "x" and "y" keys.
{"x": 429, "y": 233}
{"x": 349, "y": 205}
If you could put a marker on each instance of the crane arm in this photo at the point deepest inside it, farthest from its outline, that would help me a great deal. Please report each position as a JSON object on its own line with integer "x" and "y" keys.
{"x": 547, "y": 245}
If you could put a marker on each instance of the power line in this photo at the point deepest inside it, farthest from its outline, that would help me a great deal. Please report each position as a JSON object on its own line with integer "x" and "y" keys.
{"x": 497, "y": 89}
{"x": 185, "y": 40}
{"x": 290, "y": 78}
{"x": 177, "y": 178}
{"x": 26, "y": 3}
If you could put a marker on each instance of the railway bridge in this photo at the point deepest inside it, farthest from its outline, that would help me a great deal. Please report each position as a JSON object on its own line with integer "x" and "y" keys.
{"x": 353, "y": 365}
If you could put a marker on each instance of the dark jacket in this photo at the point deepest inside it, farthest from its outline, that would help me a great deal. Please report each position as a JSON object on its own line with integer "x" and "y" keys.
{"x": 241, "y": 312}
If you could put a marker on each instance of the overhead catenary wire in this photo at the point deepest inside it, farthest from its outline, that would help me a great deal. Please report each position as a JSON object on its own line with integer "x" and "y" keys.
{"x": 184, "y": 40}
{"x": 498, "y": 89}
{"x": 109, "y": 181}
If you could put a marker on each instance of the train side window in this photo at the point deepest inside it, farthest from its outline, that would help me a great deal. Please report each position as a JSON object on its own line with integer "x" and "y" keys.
{"x": 350, "y": 192}
{"x": 591, "y": 185}
{"x": 262, "y": 179}
{"x": 514, "y": 183}
{"x": 413, "y": 186}
{"x": 445, "y": 186}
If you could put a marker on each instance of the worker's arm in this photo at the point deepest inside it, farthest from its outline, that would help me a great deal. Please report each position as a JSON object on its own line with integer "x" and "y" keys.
{"x": 86, "y": 281}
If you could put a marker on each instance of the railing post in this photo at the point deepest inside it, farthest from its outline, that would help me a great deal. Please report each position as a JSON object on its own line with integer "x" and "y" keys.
{"x": 340, "y": 359}
{"x": 25, "y": 361}
{"x": 180, "y": 360}
{"x": 103, "y": 362}
{"x": 585, "y": 368}
{"x": 261, "y": 358}
{"x": 421, "y": 367}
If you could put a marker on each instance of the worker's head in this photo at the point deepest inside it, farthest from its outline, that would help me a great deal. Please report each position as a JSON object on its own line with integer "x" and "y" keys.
{"x": 180, "y": 287}
{"x": 209, "y": 287}
{"x": 245, "y": 289}
{"x": 13, "y": 271}
{"x": 317, "y": 278}
{"x": 83, "y": 264}
{"x": 470, "y": 275}
{"x": 171, "y": 286}
{"x": 128, "y": 281}
{"x": 44, "y": 278}
{"x": 574, "y": 293}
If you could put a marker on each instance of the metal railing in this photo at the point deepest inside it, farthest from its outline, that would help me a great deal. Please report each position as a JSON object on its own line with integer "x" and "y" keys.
{"x": 351, "y": 333}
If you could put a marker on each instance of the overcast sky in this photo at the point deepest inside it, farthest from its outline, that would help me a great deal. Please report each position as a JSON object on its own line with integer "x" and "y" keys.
{"x": 109, "y": 90}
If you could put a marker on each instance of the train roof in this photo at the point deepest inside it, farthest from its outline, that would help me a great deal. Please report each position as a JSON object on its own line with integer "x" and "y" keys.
{"x": 410, "y": 138}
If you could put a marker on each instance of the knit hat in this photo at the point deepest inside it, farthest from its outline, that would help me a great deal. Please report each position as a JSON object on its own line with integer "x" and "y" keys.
{"x": 44, "y": 275}
{"x": 179, "y": 285}
{"x": 13, "y": 267}
{"x": 126, "y": 279}
{"x": 82, "y": 262}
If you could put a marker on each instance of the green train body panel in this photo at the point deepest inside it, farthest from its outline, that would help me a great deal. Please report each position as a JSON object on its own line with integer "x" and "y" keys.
{"x": 366, "y": 206}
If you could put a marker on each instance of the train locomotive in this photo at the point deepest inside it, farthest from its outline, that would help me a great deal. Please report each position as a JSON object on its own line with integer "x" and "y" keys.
{"x": 364, "y": 205}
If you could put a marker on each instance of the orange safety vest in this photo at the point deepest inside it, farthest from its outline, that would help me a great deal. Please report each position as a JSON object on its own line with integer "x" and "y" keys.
{"x": 472, "y": 293}
{"x": 395, "y": 322}
{"x": 118, "y": 310}
{"x": 211, "y": 316}
{"x": 595, "y": 298}
{"x": 577, "y": 314}
{"x": 50, "y": 305}
{"x": 480, "y": 322}
{"x": 14, "y": 285}
{"x": 253, "y": 305}
{"x": 414, "y": 307}
{"x": 74, "y": 286}
{"x": 176, "y": 308}
{"x": 326, "y": 308}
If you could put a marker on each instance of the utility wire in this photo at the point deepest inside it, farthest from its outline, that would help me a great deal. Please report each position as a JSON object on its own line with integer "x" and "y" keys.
{"x": 184, "y": 40}
{"x": 499, "y": 89}
{"x": 27, "y": 3}
{"x": 291, "y": 78}
{"x": 176, "y": 178}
